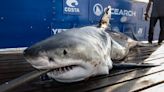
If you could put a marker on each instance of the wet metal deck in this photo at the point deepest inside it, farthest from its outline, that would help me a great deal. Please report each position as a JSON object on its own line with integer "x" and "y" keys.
{"x": 134, "y": 80}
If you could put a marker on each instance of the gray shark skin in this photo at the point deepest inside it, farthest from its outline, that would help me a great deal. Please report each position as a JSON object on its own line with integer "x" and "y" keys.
{"x": 78, "y": 53}
{"x": 74, "y": 55}
{"x": 120, "y": 43}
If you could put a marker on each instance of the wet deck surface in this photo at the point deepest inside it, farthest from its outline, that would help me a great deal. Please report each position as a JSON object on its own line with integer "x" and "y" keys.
{"x": 133, "y": 80}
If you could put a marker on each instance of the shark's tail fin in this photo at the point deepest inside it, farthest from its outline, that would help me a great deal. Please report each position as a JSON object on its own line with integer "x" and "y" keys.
{"x": 104, "y": 22}
{"x": 133, "y": 65}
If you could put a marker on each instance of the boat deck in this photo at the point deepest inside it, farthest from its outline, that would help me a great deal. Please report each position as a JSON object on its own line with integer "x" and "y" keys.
{"x": 13, "y": 65}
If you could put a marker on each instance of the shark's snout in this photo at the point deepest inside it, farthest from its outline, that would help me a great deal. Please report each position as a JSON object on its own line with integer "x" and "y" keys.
{"x": 34, "y": 56}
{"x": 30, "y": 52}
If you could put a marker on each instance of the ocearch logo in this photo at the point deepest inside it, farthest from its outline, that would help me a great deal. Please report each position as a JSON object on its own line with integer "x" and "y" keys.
{"x": 123, "y": 12}
{"x": 72, "y": 6}
{"x": 97, "y": 9}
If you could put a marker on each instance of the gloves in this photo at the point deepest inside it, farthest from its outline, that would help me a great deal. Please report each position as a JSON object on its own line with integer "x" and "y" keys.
{"x": 146, "y": 16}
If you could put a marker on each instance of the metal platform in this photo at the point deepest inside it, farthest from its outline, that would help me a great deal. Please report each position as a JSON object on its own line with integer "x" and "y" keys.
{"x": 13, "y": 65}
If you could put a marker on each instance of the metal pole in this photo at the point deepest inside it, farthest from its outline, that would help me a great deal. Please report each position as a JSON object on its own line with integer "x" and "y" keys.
{"x": 21, "y": 80}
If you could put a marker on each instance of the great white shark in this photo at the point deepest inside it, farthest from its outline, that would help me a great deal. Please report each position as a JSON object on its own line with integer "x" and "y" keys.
{"x": 79, "y": 53}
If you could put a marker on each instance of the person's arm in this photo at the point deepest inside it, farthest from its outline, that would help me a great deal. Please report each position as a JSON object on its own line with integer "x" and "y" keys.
{"x": 147, "y": 10}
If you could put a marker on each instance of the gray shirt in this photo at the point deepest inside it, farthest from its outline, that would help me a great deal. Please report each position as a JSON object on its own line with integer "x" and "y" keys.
{"x": 158, "y": 8}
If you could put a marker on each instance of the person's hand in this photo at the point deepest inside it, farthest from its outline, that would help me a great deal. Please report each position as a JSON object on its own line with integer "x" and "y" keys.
{"x": 146, "y": 16}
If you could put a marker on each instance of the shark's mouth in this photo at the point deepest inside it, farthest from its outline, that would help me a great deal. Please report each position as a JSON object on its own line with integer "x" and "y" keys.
{"x": 70, "y": 73}
{"x": 61, "y": 70}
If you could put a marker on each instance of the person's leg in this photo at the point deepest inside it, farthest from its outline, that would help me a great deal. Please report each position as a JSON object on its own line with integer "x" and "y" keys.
{"x": 153, "y": 21}
{"x": 161, "y": 35}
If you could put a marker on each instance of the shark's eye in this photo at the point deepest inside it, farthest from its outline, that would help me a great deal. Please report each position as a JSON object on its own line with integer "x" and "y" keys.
{"x": 64, "y": 52}
{"x": 50, "y": 59}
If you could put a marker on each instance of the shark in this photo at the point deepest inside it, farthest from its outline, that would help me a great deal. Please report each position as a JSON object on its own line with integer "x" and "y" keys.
{"x": 79, "y": 53}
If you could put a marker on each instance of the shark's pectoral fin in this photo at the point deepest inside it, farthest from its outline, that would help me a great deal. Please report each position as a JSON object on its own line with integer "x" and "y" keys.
{"x": 118, "y": 52}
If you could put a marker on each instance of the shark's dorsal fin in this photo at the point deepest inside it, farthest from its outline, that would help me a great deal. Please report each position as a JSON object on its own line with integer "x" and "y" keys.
{"x": 104, "y": 22}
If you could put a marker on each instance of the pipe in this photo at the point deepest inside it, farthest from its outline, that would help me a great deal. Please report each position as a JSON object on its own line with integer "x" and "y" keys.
{"x": 21, "y": 80}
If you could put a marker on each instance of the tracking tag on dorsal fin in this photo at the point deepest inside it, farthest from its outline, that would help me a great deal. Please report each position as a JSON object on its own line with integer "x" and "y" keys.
{"x": 104, "y": 22}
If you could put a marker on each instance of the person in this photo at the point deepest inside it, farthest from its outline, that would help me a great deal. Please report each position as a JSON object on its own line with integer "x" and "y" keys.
{"x": 156, "y": 14}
